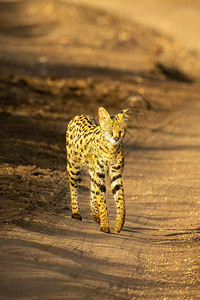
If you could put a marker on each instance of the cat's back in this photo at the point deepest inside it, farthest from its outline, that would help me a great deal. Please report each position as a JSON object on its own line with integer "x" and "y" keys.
{"x": 80, "y": 128}
{"x": 82, "y": 123}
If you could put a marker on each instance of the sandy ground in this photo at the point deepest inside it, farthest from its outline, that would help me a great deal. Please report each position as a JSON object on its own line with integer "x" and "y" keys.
{"x": 176, "y": 18}
{"x": 58, "y": 59}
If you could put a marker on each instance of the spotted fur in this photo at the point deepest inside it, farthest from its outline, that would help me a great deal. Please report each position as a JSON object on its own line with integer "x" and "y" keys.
{"x": 99, "y": 149}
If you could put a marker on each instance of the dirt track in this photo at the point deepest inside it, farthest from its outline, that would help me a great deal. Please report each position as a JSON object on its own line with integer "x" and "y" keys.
{"x": 52, "y": 70}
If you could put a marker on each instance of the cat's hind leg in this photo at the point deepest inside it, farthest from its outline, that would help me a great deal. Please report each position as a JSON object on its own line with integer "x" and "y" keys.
{"x": 94, "y": 204}
{"x": 74, "y": 174}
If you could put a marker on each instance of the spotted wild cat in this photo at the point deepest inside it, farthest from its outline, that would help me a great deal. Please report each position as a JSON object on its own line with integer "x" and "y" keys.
{"x": 99, "y": 149}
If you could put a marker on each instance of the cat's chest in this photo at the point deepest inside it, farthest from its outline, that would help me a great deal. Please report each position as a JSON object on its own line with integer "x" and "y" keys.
{"x": 100, "y": 155}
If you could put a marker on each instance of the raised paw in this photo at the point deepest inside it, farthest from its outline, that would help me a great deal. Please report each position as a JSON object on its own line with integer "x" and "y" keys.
{"x": 120, "y": 222}
{"x": 77, "y": 216}
{"x": 118, "y": 227}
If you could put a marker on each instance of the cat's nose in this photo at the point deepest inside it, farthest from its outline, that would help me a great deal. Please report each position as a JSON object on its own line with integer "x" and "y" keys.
{"x": 116, "y": 138}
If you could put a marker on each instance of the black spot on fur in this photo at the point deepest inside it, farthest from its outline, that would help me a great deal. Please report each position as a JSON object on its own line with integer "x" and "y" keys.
{"x": 116, "y": 167}
{"x": 102, "y": 188}
{"x": 115, "y": 178}
{"x": 75, "y": 173}
{"x": 101, "y": 175}
{"x": 99, "y": 164}
{"x": 116, "y": 188}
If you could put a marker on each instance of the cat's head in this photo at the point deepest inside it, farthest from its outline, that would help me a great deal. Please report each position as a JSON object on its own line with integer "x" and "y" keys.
{"x": 113, "y": 128}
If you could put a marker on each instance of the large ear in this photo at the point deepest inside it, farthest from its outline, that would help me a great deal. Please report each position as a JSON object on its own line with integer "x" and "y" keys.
{"x": 125, "y": 113}
{"x": 123, "y": 116}
{"x": 104, "y": 116}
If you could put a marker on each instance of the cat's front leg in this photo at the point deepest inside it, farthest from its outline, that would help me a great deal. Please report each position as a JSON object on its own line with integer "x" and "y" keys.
{"x": 98, "y": 180}
{"x": 115, "y": 174}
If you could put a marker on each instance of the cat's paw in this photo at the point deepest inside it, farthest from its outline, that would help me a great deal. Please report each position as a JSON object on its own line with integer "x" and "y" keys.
{"x": 77, "y": 216}
{"x": 96, "y": 219}
{"x": 105, "y": 229}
